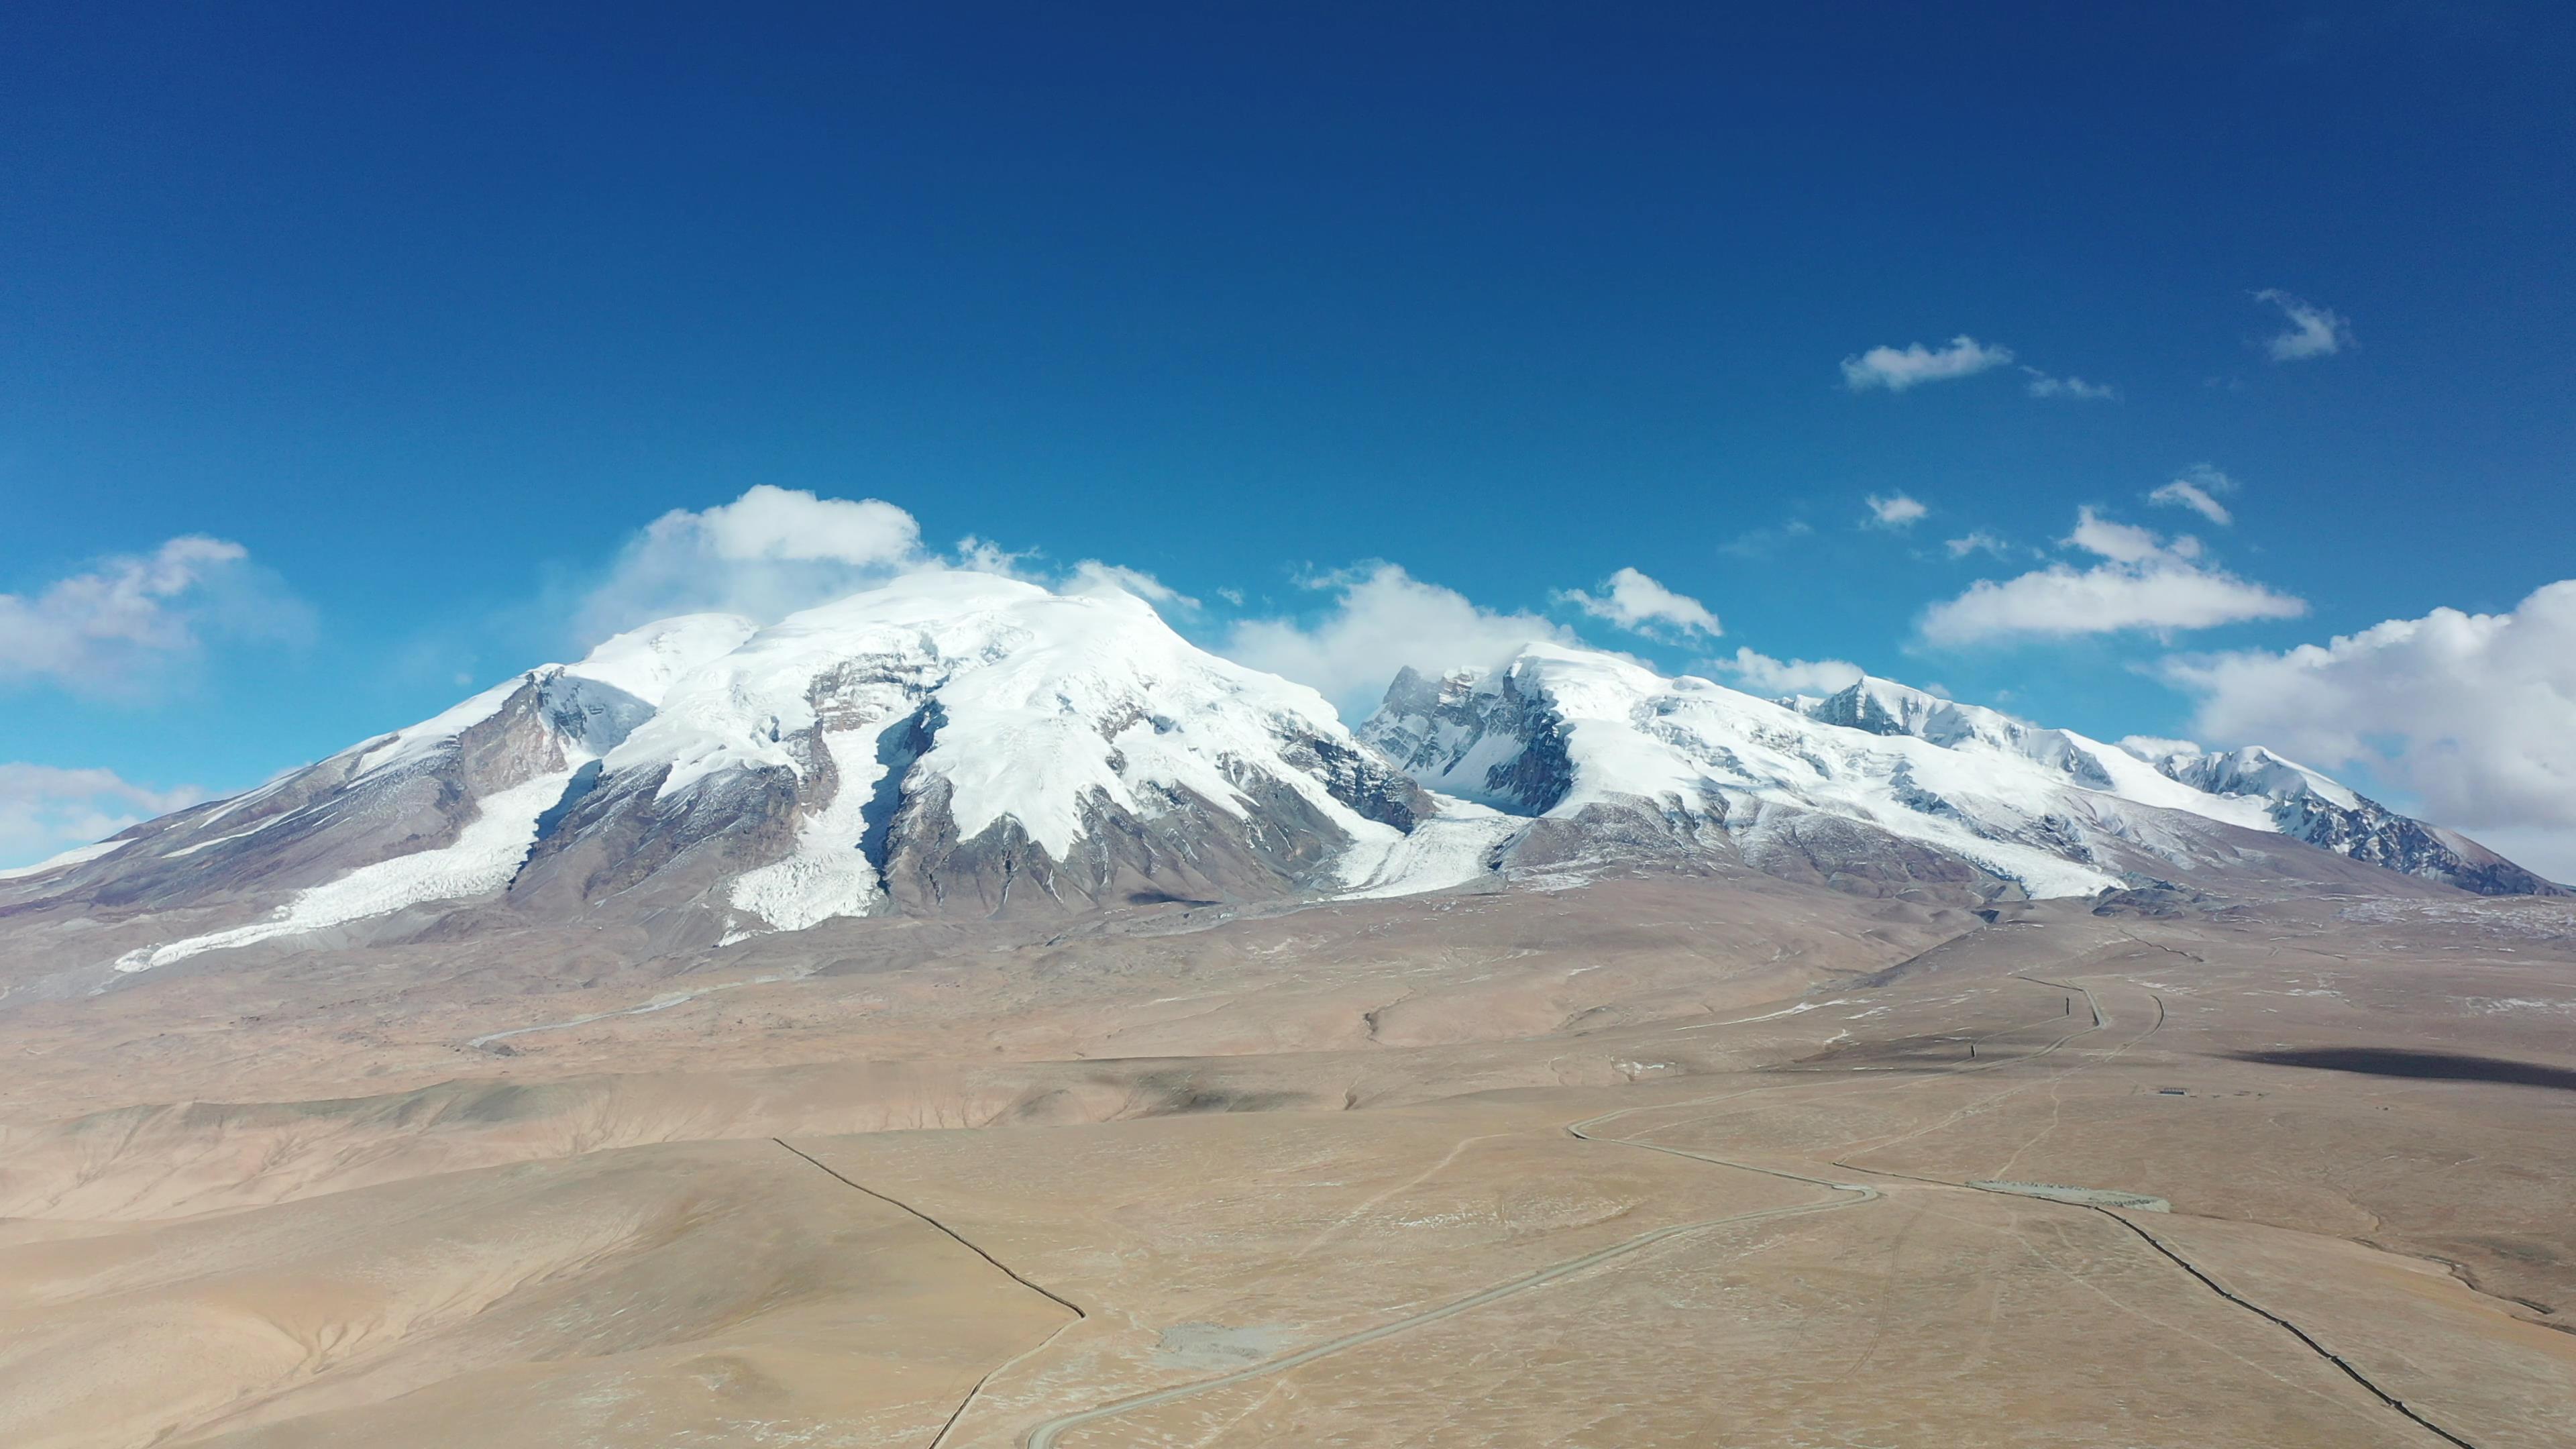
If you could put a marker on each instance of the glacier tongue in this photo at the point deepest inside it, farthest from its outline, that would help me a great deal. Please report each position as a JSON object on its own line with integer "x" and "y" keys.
{"x": 830, "y": 872}
{"x": 1451, "y": 849}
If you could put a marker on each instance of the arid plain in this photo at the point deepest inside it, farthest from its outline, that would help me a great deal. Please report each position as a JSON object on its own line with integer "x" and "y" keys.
{"x": 1660, "y": 1160}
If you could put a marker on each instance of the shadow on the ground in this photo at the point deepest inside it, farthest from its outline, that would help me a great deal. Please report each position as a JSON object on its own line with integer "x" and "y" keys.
{"x": 2423, "y": 1066}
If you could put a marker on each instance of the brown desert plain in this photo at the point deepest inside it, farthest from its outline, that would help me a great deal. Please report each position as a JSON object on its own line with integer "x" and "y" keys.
{"x": 1658, "y": 1160}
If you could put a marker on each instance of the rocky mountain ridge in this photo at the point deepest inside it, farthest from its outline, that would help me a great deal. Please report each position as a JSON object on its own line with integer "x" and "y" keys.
{"x": 958, "y": 745}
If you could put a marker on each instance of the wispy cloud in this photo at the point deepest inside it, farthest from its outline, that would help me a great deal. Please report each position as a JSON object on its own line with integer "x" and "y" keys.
{"x": 1899, "y": 368}
{"x": 2043, "y": 385}
{"x": 134, "y": 615}
{"x": 1976, "y": 541}
{"x": 1897, "y": 510}
{"x": 2198, "y": 489}
{"x": 2142, "y": 582}
{"x": 1091, "y": 576}
{"x": 45, "y": 809}
{"x": 1381, "y": 619}
{"x": 1639, "y": 604}
{"x": 1762, "y": 674}
{"x": 1762, "y": 542}
{"x": 2314, "y": 331}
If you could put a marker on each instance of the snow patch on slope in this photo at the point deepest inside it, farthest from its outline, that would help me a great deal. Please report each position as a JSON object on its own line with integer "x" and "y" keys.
{"x": 483, "y": 857}
{"x": 69, "y": 858}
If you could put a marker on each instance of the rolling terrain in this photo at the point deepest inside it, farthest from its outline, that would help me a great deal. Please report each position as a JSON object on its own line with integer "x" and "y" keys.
{"x": 969, "y": 1016}
{"x": 1598, "y": 1166}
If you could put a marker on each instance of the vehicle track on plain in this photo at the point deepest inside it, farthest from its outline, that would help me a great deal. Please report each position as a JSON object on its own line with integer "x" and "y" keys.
{"x": 1046, "y": 1434}
{"x": 2102, "y": 1019}
{"x": 977, "y": 1390}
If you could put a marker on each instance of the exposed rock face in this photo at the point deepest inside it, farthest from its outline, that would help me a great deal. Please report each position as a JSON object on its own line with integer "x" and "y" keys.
{"x": 954, "y": 744}
{"x": 2307, "y": 806}
{"x": 962, "y": 745}
{"x": 1873, "y": 789}
{"x": 1498, "y": 741}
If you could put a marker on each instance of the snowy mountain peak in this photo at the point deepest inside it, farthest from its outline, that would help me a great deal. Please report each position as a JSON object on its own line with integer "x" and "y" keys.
{"x": 644, "y": 662}
{"x": 951, "y": 743}
{"x": 1686, "y": 767}
{"x": 958, "y": 743}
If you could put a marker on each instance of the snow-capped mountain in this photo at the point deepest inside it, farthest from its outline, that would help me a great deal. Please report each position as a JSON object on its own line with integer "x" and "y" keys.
{"x": 953, "y": 743}
{"x": 961, "y": 745}
{"x": 2296, "y": 801}
{"x": 2307, "y": 806}
{"x": 1872, "y": 788}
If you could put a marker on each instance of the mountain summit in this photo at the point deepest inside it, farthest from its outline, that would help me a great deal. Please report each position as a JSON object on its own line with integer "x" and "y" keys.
{"x": 1877, "y": 787}
{"x": 961, "y": 745}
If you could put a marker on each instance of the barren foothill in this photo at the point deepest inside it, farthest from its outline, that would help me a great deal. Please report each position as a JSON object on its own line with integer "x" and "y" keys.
{"x": 1655, "y": 1161}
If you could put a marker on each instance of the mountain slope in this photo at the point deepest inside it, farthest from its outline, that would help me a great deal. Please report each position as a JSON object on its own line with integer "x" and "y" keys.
{"x": 963, "y": 746}
{"x": 2289, "y": 797}
{"x": 954, "y": 743}
{"x": 1876, "y": 786}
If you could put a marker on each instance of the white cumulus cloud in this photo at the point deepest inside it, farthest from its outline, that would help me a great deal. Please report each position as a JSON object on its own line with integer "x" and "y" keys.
{"x": 45, "y": 809}
{"x": 768, "y": 553}
{"x": 137, "y": 614}
{"x": 1899, "y": 368}
{"x": 774, "y": 551}
{"x": 2142, "y": 582}
{"x": 1762, "y": 674}
{"x": 2198, "y": 489}
{"x": 2314, "y": 331}
{"x": 1894, "y": 511}
{"x": 2475, "y": 713}
{"x": 1382, "y": 619}
{"x": 1637, "y": 603}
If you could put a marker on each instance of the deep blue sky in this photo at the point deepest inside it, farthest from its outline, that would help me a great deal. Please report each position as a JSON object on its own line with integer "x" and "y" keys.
{"x": 431, "y": 311}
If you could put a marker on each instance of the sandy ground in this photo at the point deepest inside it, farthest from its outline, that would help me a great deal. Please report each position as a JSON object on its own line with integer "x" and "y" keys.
{"x": 1649, "y": 1163}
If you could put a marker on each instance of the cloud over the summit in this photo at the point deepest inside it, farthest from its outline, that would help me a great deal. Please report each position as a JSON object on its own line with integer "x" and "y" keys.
{"x": 1091, "y": 576}
{"x": 1762, "y": 674}
{"x": 1639, "y": 604}
{"x": 1380, "y": 620}
{"x": 768, "y": 553}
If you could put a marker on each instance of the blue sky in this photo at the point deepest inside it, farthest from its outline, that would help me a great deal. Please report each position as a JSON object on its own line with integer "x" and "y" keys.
{"x": 426, "y": 317}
